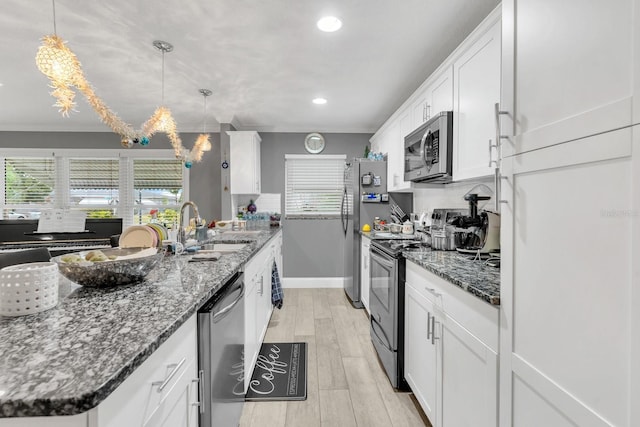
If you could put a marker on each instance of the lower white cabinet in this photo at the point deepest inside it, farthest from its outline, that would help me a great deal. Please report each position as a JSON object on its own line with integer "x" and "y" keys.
{"x": 451, "y": 360}
{"x": 258, "y": 306}
{"x": 421, "y": 355}
{"x": 365, "y": 279}
{"x": 162, "y": 391}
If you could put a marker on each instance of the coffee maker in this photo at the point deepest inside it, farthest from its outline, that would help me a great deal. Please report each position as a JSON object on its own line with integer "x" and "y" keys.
{"x": 479, "y": 233}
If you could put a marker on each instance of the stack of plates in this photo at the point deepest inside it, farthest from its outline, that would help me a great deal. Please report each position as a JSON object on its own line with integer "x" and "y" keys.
{"x": 143, "y": 236}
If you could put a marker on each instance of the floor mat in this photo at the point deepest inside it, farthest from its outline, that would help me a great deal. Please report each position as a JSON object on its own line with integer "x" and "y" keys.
{"x": 280, "y": 373}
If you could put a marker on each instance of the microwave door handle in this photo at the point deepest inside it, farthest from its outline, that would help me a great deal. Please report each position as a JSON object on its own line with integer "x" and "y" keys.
{"x": 425, "y": 149}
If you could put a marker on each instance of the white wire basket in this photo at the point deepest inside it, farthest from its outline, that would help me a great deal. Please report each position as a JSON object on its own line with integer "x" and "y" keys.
{"x": 28, "y": 288}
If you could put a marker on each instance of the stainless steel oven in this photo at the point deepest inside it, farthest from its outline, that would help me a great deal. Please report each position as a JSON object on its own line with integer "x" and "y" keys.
{"x": 428, "y": 150}
{"x": 386, "y": 303}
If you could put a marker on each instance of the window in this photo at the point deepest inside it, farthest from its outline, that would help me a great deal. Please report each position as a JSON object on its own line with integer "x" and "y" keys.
{"x": 135, "y": 185}
{"x": 313, "y": 185}
{"x": 157, "y": 190}
{"x": 28, "y": 186}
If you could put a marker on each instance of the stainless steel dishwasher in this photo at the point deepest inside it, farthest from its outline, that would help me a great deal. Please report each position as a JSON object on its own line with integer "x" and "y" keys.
{"x": 221, "y": 355}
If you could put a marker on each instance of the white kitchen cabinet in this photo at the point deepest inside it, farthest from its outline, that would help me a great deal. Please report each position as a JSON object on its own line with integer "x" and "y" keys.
{"x": 138, "y": 401}
{"x": 365, "y": 278}
{"x": 566, "y": 294}
{"x": 569, "y": 342}
{"x": 244, "y": 162}
{"x": 451, "y": 342}
{"x": 258, "y": 306}
{"x": 434, "y": 96}
{"x": 571, "y": 80}
{"x": 420, "y": 355}
{"x": 476, "y": 91}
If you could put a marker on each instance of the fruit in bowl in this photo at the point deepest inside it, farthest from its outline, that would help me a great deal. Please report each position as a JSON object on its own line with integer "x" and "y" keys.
{"x": 109, "y": 267}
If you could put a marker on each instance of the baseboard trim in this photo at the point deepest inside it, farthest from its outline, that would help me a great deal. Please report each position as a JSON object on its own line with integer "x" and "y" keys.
{"x": 312, "y": 282}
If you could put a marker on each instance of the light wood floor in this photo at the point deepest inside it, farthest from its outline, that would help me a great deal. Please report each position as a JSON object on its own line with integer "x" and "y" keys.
{"x": 346, "y": 386}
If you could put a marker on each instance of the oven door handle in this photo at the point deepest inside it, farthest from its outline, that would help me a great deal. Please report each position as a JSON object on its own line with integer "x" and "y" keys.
{"x": 223, "y": 313}
{"x": 373, "y": 329}
{"x": 379, "y": 258}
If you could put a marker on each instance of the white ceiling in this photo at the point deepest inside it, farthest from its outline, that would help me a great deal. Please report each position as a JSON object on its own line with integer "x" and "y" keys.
{"x": 264, "y": 60}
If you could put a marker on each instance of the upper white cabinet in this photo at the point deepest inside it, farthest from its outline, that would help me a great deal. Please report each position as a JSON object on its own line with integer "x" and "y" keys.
{"x": 568, "y": 70}
{"x": 435, "y": 96}
{"x": 476, "y": 91}
{"x": 467, "y": 83}
{"x": 244, "y": 162}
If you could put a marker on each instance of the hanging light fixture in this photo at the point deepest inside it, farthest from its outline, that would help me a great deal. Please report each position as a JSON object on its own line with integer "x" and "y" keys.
{"x": 203, "y": 142}
{"x": 162, "y": 120}
{"x": 56, "y": 61}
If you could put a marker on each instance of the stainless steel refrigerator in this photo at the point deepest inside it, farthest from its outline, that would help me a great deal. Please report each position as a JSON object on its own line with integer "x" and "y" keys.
{"x": 369, "y": 177}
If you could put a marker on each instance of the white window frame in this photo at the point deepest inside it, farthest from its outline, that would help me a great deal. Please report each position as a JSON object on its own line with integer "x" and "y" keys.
{"x": 310, "y": 215}
{"x": 126, "y": 203}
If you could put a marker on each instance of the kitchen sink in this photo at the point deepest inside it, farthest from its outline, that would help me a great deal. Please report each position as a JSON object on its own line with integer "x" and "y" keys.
{"x": 241, "y": 231}
{"x": 224, "y": 247}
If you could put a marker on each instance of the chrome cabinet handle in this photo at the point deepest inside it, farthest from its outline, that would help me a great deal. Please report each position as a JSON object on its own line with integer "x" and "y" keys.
{"x": 200, "y": 381}
{"x": 498, "y": 112}
{"x": 491, "y": 161}
{"x": 433, "y": 331}
{"x": 428, "y": 326}
{"x": 163, "y": 384}
{"x": 261, "y": 285}
{"x": 433, "y": 292}
{"x": 428, "y": 115}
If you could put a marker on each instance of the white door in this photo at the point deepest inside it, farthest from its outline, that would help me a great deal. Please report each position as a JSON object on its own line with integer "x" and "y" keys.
{"x": 565, "y": 284}
{"x": 469, "y": 378}
{"x": 477, "y": 90}
{"x": 420, "y": 364}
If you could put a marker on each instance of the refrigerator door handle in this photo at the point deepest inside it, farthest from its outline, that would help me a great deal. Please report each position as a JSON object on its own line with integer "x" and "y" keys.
{"x": 344, "y": 215}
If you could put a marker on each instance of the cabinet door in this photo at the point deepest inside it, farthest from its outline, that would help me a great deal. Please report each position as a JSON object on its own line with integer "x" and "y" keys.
{"x": 420, "y": 363}
{"x": 572, "y": 80}
{"x": 440, "y": 93}
{"x": 565, "y": 296}
{"x": 178, "y": 408}
{"x": 469, "y": 378}
{"x": 419, "y": 113}
{"x": 250, "y": 321}
{"x": 395, "y": 165}
{"x": 477, "y": 90}
{"x": 245, "y": 162}
{"x": 364, "y": 272}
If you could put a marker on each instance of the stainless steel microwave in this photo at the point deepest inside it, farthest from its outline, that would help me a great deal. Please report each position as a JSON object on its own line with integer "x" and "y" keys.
{"x": 428, "y": 150}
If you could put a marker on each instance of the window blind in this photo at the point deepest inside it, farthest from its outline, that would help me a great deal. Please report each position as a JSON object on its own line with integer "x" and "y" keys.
{"x": 29, "y": 181}
{"x": 313, "y": 185}
{"x": 94, "y": 182}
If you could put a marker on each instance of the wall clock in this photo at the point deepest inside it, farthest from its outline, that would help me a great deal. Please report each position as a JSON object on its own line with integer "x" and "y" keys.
{"x": 314, "y": 143}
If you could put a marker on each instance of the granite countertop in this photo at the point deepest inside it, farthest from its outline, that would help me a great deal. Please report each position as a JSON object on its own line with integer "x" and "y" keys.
{"x": 66, "y": 360}
{"x": 473, "y": 276}
{"x": 386, "y": 235}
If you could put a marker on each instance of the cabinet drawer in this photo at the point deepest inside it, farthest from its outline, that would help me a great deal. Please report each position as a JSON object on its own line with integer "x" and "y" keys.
{"x": 137, "y": 399}
{"x": 478, "y": 317}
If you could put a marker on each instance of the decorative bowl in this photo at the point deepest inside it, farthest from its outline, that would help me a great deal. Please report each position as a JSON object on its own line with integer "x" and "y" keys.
{"x": 123, "y": 266}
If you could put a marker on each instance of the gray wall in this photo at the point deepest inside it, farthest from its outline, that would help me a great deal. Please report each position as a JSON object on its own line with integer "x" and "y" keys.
{"x": 312, "y": 248}
{"x": 204, "y": 176}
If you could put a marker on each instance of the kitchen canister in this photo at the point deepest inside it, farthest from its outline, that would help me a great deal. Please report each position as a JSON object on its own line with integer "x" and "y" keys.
{"x": 28, "y": 288}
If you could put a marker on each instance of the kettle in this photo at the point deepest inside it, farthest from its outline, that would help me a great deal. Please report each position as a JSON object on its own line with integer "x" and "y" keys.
{"x": 407, "y": 227}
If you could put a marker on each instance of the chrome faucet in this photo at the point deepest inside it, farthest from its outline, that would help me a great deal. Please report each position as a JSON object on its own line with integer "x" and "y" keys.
{"x": 181, "y": 232}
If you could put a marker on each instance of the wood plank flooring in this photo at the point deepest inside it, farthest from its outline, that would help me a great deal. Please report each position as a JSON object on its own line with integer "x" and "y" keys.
{"x": 346, "y": 386}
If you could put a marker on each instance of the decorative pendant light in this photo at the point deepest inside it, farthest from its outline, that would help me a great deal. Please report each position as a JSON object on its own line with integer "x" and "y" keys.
{"x": 162, "y": 120}
{"x": 203, "y": 142}
{"x": 61, "y": 66}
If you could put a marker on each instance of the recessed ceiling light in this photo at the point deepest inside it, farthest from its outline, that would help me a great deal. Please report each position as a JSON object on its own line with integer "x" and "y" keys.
{"x": 329, "y": 24}
{"x": 1, "y": 84}
{"x": 319, "y": 101}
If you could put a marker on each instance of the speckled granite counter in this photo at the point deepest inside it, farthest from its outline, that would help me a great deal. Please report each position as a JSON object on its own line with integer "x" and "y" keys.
{"x": 385, "y": 235}
{"x": 473, "y": 276}
{"x": 68, "y": 359}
